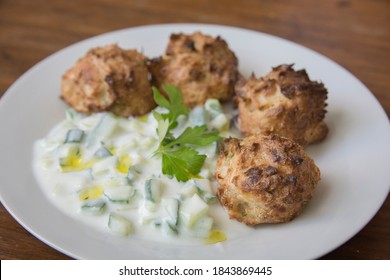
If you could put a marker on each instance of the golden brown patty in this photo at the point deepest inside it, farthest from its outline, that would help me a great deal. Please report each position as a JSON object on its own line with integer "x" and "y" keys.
{"x": 201, "y": 66}
{"x": 285, "y": 102}
{"x": 109, "y": 79}
{"x": 264, "y": 179}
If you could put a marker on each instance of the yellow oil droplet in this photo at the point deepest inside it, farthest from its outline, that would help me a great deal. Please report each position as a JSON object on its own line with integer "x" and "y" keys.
{"x": 74, "y": 162}
{"x": 112, "y": 150}
{"x": 225, "y": 127}
{"x": 143, "y": 118}
{"x": 74, "y": 157}
{"x": 124, "y": 163}
{"x": 93, "y": 192}
{"x": 192, "y": 176}
{"x": 215, "y": 236}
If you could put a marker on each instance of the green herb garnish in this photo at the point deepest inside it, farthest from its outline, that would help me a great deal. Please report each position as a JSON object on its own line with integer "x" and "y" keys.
{"x": 174, "y": 105}
{"x": 179, "y": 157}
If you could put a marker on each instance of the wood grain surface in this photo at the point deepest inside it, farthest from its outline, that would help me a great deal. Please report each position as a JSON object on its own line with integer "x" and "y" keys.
{"x": 353, "y": 33}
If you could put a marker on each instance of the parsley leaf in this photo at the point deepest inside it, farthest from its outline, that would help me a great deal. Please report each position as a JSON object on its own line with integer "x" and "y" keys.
{"x": 184, "y": 163}
{"x": 174, "y": 105}
{"x": 197, "y": 135}
{"x": 162, "y": 126}
{"x": 179, "y": 157}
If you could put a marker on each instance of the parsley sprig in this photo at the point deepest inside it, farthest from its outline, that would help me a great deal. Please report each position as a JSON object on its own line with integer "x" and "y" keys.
{"x": 179, "y": 156}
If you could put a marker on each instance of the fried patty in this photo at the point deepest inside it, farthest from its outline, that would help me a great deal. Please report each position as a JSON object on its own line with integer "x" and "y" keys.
{"x": 201, "y": 66}
{"x": 284, "y": 102}
{"x": 109, "y": 79}
{"x": 264, "y": 179}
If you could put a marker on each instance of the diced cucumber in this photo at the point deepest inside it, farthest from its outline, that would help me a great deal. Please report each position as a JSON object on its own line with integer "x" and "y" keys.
{"x": 119, "y": 224}
{"x": 95, "y": 206}
{"x": 188, "y": 190}
{"x": 105, "y": 167}
{"x": 171, "y": 219}
{"x": 74, "y": 135}
{"x": 102, "y": 152}
{"x": 117, "y": 182}
{"x": 74, "y": 165}
{"x": 124, "y": 163}
{"x": 68, "y": 150}
{"x": 192, "y": 210}
{"x": 133, "y": 173}
{"x": 169, "y": 229}
{"x": 197, "y": 116}
{"x": 209, "y": 198}
{"x": 171, "y": 207}
{"x": 205, "y": 191}
{"x": 63, "y": 162}
{"x": 202, "y": 227}
{"x": 73, "y": 159}
{"x": 220, "y": 122}
{"x": 127, "y": 147}
{"x": 120, "y": 194}
{"x": 213, "y": 108}
{"x": 153, "y": 190}
{"x": 150, "y": 205}
{"x": 203, "y": 185}
{"x": 63, "y": 150}
{"x": 215, "y": 115}
{"x": 146, "y": 216}
{"x": 102, "y": 130}
{"x": 152, "y": 194}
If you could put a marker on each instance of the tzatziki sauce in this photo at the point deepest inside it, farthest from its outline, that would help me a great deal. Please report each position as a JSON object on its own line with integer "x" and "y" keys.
{"x": 102, "y": 170}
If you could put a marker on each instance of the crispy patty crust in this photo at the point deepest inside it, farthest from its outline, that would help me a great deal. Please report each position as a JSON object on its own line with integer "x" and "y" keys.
{"x": 264, "y": 179}
{"x": 284, "y": 102}
{"x": 201, "y": 66}
{"x": 109, "y": 79}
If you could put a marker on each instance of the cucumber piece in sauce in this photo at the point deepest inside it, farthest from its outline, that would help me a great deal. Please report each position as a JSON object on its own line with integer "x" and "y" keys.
{"x": 120, "y": 194}
{"x": 102, "y": 152}
{"x": 102, "y": 130}
{"x": 74, "y": 135}
{"x": 120, "y": 225}
{"x": 171, "y": 207}
{"x": 96, "y": 206}
{"x": 171, "y": 219}
{"x": 153, "y": 190}
{"x": 192, "y": 210}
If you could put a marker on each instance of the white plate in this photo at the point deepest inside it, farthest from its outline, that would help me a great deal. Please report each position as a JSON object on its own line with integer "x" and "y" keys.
{"x": 353, "y": 159}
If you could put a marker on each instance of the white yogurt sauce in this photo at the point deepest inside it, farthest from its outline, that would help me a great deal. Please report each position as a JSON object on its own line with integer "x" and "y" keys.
{"x": 102, "y": 178}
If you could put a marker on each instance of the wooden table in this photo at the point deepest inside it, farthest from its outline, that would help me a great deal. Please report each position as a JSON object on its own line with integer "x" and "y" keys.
{"x": 354, "y": 33}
